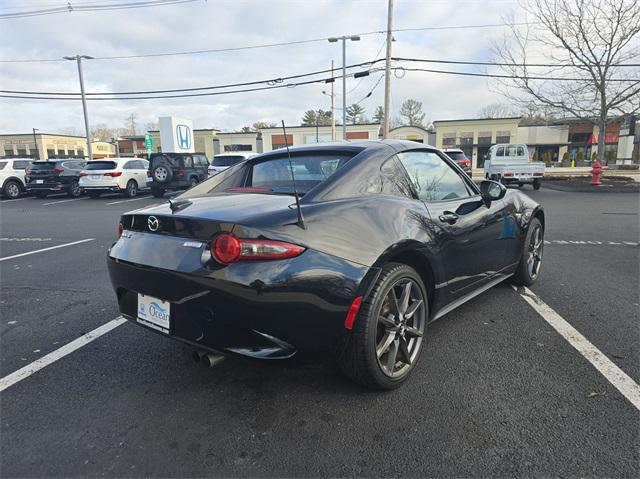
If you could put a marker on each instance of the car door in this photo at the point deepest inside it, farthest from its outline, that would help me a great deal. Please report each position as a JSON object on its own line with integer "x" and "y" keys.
{"x": 466, "y": 231}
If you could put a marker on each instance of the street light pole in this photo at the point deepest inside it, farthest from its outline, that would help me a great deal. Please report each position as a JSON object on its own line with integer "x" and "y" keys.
{"x": 333, "y": 107}
{"x": 344, "y": 38}
{"x": 35, "y": 141}
{"x": 387, "y": 74}
{"x": 78, "y": 59}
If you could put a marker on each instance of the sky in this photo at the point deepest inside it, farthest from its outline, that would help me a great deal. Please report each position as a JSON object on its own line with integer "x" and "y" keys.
{"x": 212, "y": 24}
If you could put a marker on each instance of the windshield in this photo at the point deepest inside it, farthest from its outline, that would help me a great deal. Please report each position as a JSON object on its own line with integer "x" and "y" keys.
{"x": 226, "y": 160}
{"x": 101, "y": 165}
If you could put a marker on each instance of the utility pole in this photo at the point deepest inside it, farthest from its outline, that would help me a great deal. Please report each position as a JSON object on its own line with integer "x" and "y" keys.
{"x": 333, "y": 107}
{"x": 387, "y": 73}
{"x": 344, "y": 38}
{"x": 78, "y": 59}
{"x": 35, "y": 141}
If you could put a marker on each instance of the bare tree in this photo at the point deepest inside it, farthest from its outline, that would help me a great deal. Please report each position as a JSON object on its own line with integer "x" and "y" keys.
{"x": 588, "y": 43}
{"x": 498, "y": 110}
{"x": 130, "y": 124}
{"x": 411, "y": 112}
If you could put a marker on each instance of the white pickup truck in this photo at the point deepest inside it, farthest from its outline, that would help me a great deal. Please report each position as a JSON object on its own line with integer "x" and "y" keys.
{"x": 509, "y": 163}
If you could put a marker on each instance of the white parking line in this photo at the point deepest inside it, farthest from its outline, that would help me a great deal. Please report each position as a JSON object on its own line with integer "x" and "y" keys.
{"x": 53, "y": 356}
{"x": 63, "y": 201}
{"x": 612, "y": 373}
{"x": 126, "y": 201}
{"x": 45, "y": 249}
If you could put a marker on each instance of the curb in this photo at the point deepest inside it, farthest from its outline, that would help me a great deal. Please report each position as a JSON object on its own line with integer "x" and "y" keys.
{"x": 595, "y": 189}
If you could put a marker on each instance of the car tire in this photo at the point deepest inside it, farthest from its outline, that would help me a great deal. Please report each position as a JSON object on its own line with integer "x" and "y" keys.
{"x": 536, "y": 184}
{"x": 162, "y": 173}
{"x": 93, "y": 194}
{"x": 132, "y": 189}
{"x": 193, "y": 182}
{"x": 12, "y": 189}
{"x": 157, "y": 192}
{"x": 385, "y": 345}
{"x": 74, "y": 189}
{"x": 528, "y": 270}
{"x": 41, "y": 194}
{"x": 520, "y": 185}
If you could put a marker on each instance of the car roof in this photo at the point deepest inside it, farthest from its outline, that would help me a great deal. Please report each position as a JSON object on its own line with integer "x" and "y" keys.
{"x": 453, "y": 150}
{"x": 352, "y": 146}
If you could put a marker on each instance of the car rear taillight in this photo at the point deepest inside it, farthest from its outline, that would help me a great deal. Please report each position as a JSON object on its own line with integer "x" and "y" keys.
{"x": 180, "y": 172}
{"x": 114, "y": 174}
{"x": 538, "y": 174}
{"x": 57, "y": 169}
{"x": 506, "y": 175}
{"x": 149, "y": 173}
{"x": 226, "y": 248}
{"x": 352, "y": 313}
{"x": 120, "y": 228}
{"x": 84, "y": 174}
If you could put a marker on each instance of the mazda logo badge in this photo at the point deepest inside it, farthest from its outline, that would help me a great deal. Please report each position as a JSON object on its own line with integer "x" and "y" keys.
{"x": 153, "y": 223}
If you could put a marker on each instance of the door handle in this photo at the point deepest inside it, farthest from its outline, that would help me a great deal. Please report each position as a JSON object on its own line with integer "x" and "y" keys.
{"x": 448, "y": 217}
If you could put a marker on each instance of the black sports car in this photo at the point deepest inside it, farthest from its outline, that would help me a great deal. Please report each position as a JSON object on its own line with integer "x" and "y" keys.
{"x": 386, "y": 237}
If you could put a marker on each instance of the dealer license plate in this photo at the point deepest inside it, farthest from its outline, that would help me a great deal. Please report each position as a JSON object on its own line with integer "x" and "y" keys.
{"x": 154, "y": 312}
{"x": 39, "y": 182}
{"x": 95, "y": 177}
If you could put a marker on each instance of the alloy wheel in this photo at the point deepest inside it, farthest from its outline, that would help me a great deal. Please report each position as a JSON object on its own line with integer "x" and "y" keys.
{"x": 401, "y": 322}
{"x": 12, "y": 190}
{"x": 534, "y": 252}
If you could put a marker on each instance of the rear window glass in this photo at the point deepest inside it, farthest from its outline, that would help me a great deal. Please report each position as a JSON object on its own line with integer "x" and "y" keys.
{"x": 455, "y": 155}
{"x": 309, "y": 171}
{"x": 2, "y": 165}
{"x": 20, "y": 165}
{"x": 101, "y": 165}
{"x": 48, "y": 165}
{"x": 227, "y": 160}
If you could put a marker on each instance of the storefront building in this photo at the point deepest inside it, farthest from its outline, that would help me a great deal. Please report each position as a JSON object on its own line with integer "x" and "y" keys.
{"x": 245, "y": 142}
{"x": 475, "y": 136}
{"x": 548, "y": 144}
{"x": 103, "y": 149}
{"x": 274, "y": 138}
{"x": 412, "y": 133}
{"x": 46, "y": 146}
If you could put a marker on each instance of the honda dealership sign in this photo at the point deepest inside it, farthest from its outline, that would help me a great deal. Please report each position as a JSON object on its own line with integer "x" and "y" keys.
{"x": 176, "y": 134}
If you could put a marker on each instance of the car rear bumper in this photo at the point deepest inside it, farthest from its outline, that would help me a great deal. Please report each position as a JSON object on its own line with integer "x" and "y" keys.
{"x": 265, "y": 310}
{"x": 47, "y": 187}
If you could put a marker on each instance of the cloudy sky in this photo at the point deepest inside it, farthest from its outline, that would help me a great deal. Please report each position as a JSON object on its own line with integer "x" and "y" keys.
{"x": 213, "y": 24}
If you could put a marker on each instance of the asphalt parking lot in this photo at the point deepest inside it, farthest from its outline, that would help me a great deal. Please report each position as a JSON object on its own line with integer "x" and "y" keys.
{"x": 498, "y": 391}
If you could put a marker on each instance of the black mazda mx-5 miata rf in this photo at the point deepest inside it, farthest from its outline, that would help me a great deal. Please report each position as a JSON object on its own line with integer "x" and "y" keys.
{"x": 386, "y": 237}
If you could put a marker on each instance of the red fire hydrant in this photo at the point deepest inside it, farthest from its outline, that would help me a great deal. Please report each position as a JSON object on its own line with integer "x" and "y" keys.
{"x": 596, "y": 173}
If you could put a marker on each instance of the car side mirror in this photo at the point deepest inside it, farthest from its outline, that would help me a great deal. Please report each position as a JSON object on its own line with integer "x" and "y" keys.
{"x": 492, "y": 191}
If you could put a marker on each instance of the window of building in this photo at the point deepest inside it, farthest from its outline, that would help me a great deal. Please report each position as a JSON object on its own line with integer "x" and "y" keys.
{"x": 238, "y": 147}
{"x": 432, "y": 177}
{"x": 466, "y": 139}
{"x": 484, "y": 138}
{"x": 503, "y": 137}
{"x": 51, "y": 153}
{"x": 80, "y": 153}
{"x": 319, "y": 138}
{"x": 448, "y": 139}
{"x": 8, "y": 152}
{"x": 278, "y": 141}
{"x": 22, "y": 152}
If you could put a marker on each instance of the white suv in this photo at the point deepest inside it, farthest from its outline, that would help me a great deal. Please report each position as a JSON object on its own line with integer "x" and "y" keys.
{"x": 124, "y": 175}
{"x": 12, "y": 176}
{"x": 224, "y": 160}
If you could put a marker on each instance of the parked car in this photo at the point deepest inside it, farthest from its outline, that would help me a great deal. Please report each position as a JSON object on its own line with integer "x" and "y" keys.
{"x": 457, "y": 155}
{"x": 176, "y": 171}
{"x": 224, "y": 160}
{"x": 509, "y": 163}
{"x": 54, "y": 176}
{"x": 122, "y": 175}
{"x": 387, "y": 236}
{"x": 12, "y": 176}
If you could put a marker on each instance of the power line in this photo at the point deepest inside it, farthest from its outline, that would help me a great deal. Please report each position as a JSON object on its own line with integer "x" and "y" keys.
{"x": 70, "y": 8}
{"x": 252, "y": 47}
{"x": 459, "y": 62}
{"x": 271, "y": 81}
